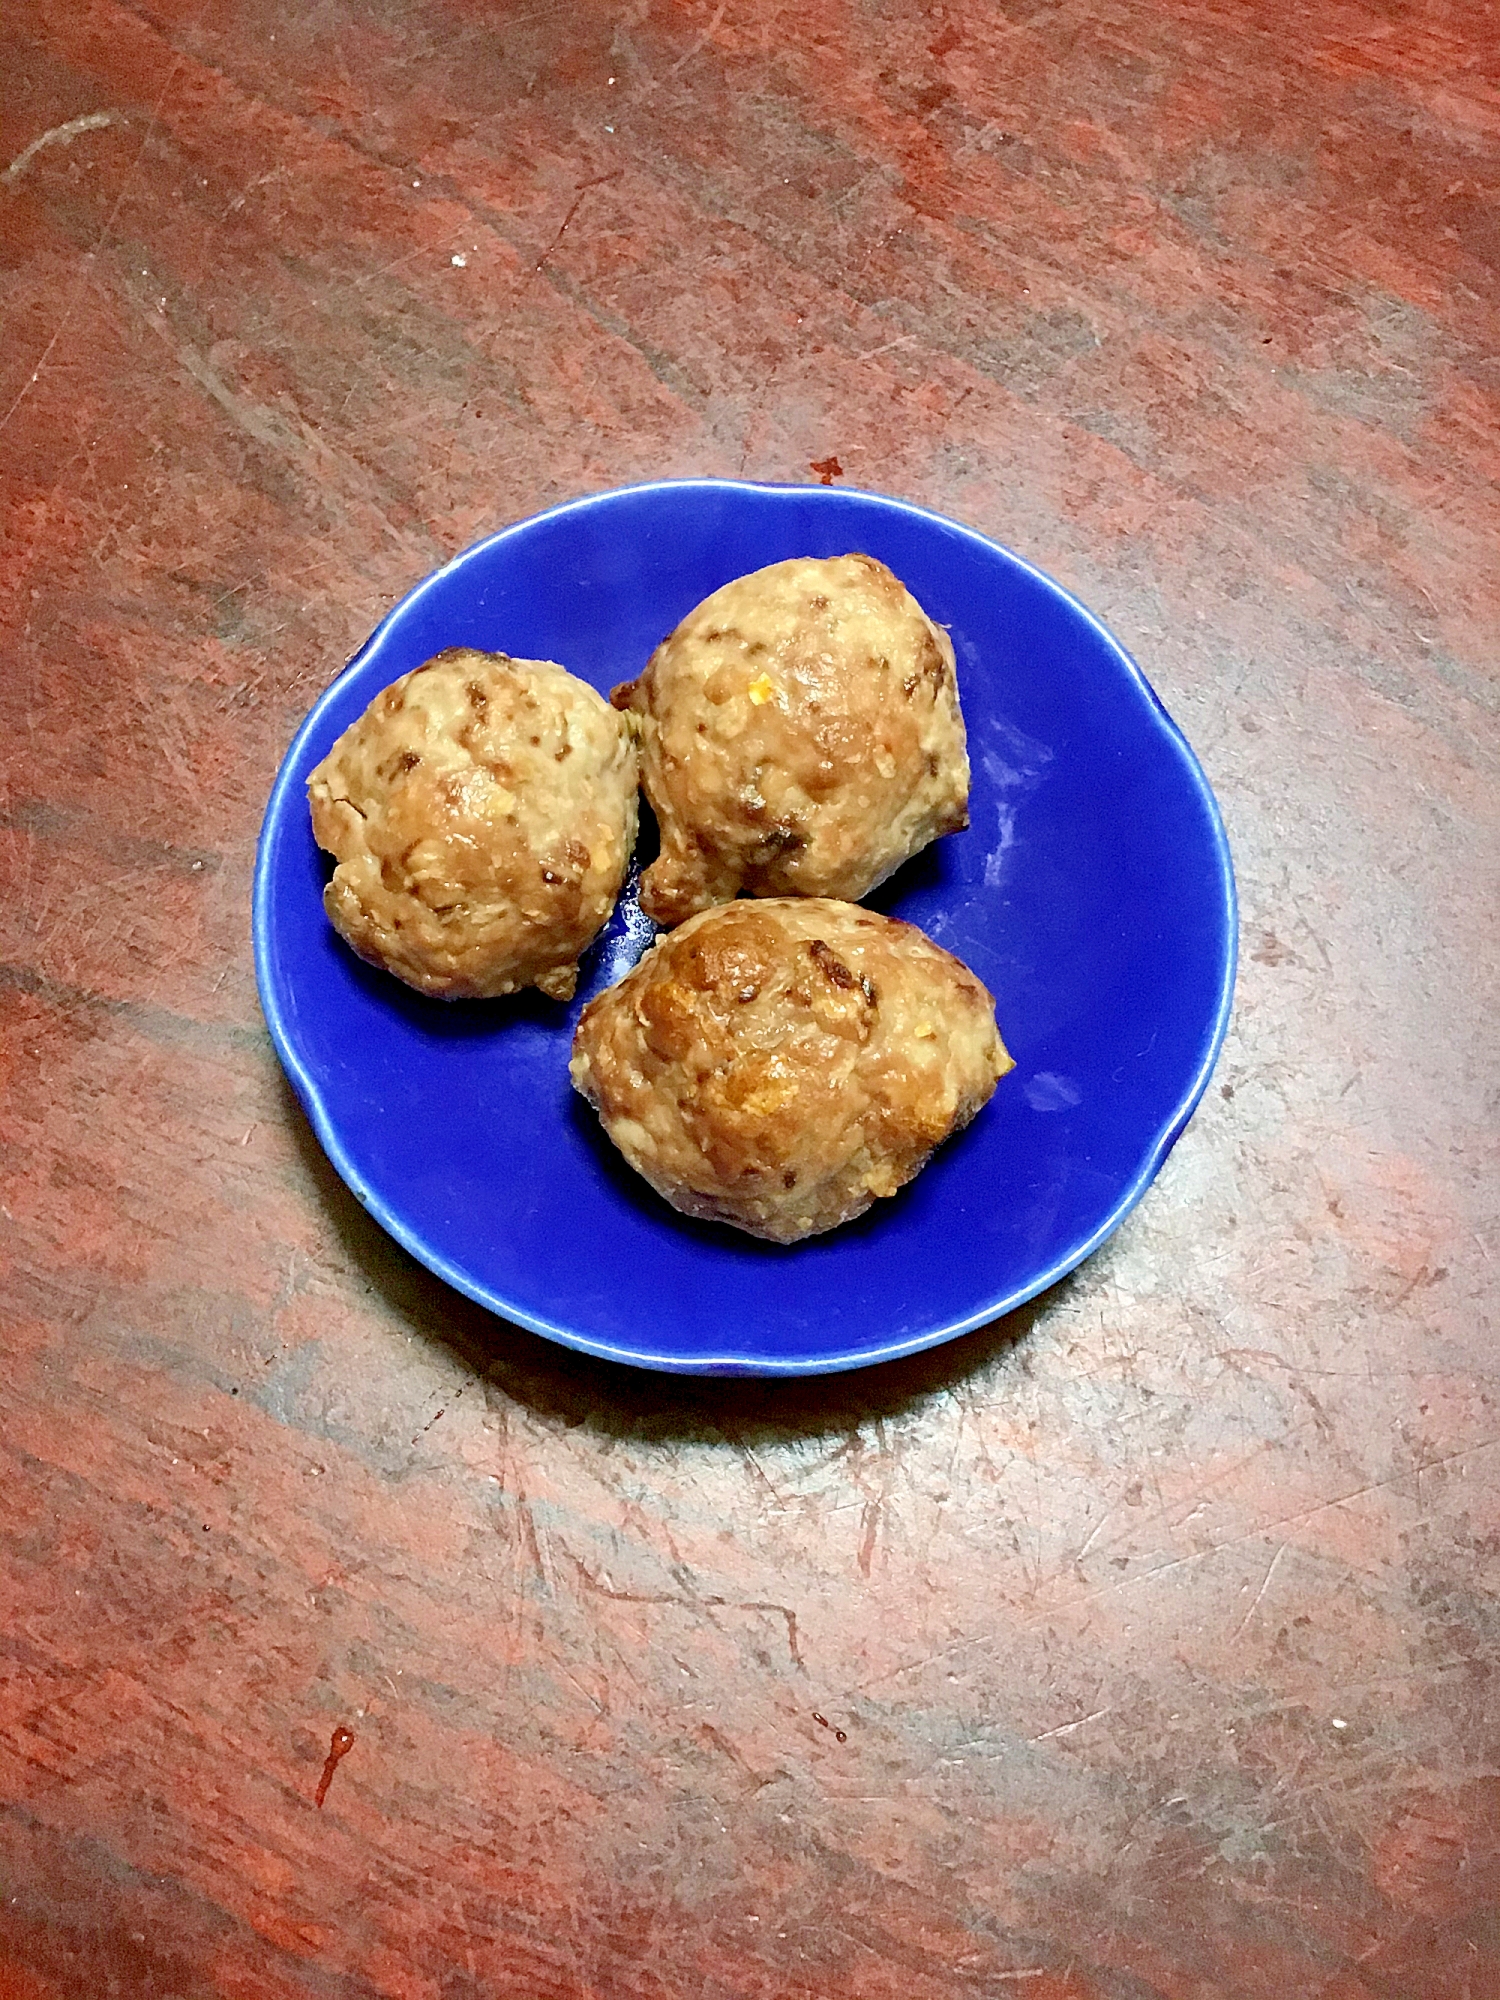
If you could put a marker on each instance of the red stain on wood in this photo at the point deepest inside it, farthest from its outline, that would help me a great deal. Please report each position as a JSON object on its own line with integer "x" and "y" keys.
{"x": 339, "y": 1748}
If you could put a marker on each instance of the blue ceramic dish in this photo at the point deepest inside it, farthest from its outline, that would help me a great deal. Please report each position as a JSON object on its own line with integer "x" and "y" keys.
{"x": 1092, "y": 893}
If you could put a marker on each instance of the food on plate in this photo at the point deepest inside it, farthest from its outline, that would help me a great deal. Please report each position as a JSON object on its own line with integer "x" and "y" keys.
{"x": 778, "y": 1064}
{"x": 801, "y": 736}
{"x": 482, "y": 813}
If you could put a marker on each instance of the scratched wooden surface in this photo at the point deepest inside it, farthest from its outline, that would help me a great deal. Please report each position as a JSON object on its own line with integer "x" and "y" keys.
{"x": 1144, "y": 1646}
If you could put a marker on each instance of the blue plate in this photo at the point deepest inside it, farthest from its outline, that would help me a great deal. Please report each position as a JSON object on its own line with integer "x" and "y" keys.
{"x": 1092, "y": 893}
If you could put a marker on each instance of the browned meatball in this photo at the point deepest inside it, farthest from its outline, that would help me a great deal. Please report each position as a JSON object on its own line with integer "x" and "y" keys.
{"x": 779, "y": 1064}
{"x": 482, "y": 812}
{"x": 802, "y": 737}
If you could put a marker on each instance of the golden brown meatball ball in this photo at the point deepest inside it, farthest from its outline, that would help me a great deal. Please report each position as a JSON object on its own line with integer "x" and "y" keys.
{"x": 482, "y": 812}
{"x": 802, "y": 737}
{"x": 779, "y": 1064}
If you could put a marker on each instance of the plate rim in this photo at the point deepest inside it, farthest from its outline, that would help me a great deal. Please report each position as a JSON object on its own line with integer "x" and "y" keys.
{"x": 729, "y": 1364}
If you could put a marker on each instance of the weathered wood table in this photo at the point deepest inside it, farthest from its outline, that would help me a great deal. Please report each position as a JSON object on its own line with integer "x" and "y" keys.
{"x": 1144, "y": 1646}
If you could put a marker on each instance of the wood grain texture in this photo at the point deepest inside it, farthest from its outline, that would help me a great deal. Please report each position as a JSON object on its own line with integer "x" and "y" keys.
{"x": 1160, "y": 1621}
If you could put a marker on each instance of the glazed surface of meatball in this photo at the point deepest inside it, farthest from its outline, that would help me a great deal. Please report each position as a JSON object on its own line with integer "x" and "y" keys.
{"x": 802, "y": 736}
{"x": 482, "y": 812}
{"x": 779, "y": 1064}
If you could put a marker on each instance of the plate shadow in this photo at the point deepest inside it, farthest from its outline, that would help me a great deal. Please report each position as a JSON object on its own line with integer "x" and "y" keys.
{"x": 620, "y": 1403}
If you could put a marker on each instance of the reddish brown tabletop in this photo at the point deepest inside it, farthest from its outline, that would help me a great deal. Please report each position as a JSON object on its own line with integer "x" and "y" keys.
{"x": 1143, "y": 1647}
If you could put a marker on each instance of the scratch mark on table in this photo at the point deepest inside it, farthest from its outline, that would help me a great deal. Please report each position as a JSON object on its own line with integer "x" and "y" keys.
{"x": 707, "y": 36}
{"x": 603, "y": 1588}
{"x": 1265, "y": 1586}
{"x": 577, "y": 202}
{"x": 871, "y": 1525}
{"x": 1067, "y": 1728}
{"x": 58, "y": 135}
{"x": 25, "y": 388}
